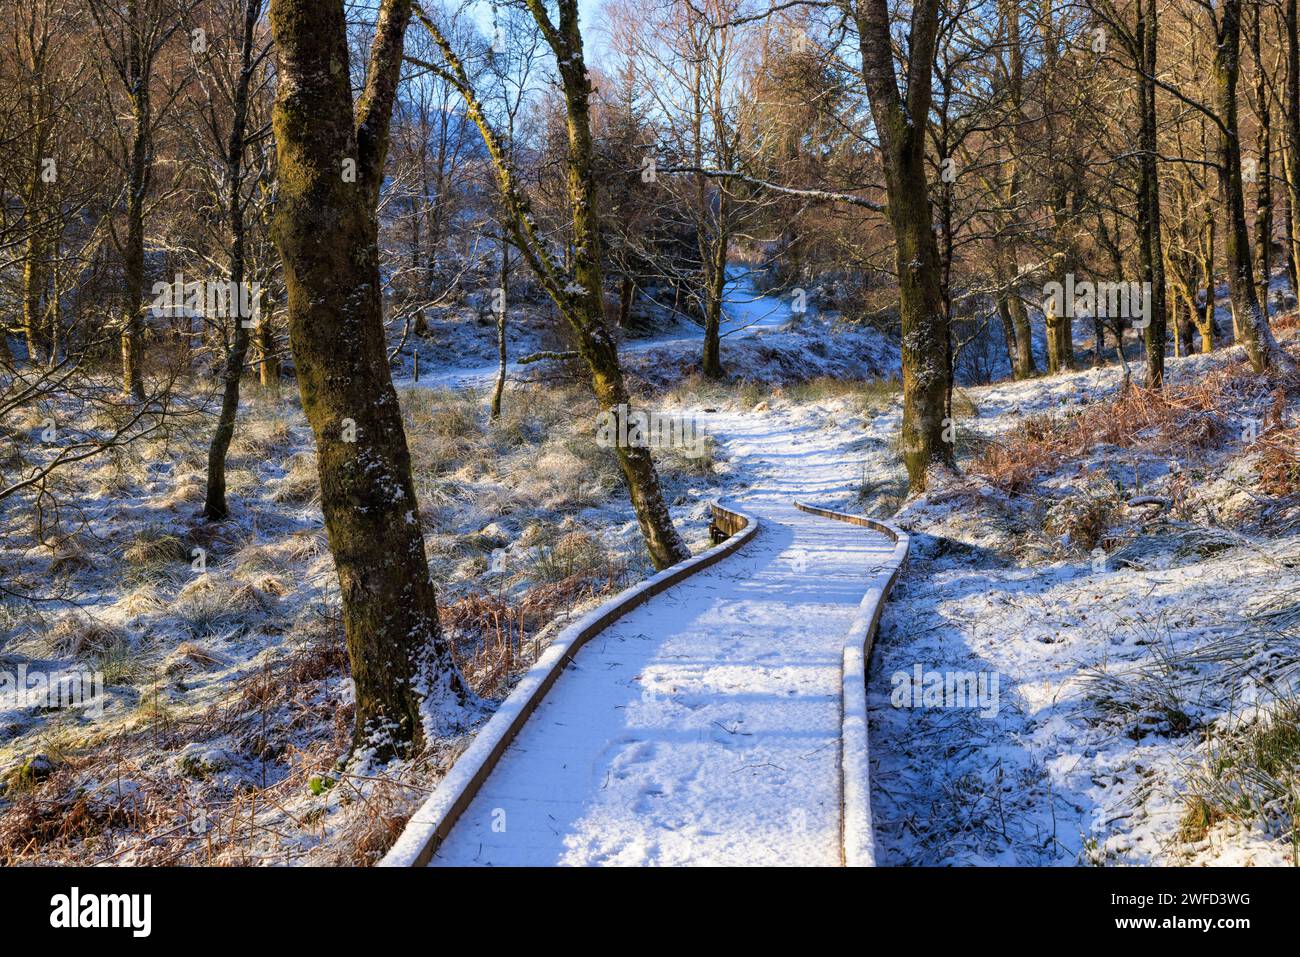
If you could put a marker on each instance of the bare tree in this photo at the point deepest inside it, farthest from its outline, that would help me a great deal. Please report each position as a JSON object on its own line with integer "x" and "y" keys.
{"x": 1251, "y": 320}
{"x": 229, "y": 75}
{"x": 134, "y": 34}
{"x": 899, "y": 114}
{"x": 577, "y": 291}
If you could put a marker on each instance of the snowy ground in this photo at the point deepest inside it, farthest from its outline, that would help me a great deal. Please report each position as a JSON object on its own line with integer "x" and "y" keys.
{"x": 1130, "y": 688}
{"x": 1133, "y": 693}
{"x": 1128, "y": 682}
{"x": 763, "y": 340}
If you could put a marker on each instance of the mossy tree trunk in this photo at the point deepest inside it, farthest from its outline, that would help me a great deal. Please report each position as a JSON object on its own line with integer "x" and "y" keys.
{"x": 900, "y": 123}
{"x": 331, "y": 162}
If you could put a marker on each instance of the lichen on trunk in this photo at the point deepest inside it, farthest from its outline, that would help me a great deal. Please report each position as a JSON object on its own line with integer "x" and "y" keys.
{"x": 326, "y": 229}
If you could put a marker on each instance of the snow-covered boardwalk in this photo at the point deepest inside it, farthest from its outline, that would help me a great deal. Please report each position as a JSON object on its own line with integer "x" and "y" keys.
{"x": 705, "y": 726}
{"x": 701, "y": 728}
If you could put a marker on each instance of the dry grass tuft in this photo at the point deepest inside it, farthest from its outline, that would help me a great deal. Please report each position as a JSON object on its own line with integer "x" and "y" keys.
{"x": 300, "y": 484}
{"x": 1177, "y": 420}
{"x": 79, "y": 636}
{"x": 187, "y": 656}
{"x": 263, "y": 435}
{"x": 152, "y": 551}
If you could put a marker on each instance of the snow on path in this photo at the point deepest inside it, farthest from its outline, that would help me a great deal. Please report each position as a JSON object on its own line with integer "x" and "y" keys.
{"x": 703, "y": 727}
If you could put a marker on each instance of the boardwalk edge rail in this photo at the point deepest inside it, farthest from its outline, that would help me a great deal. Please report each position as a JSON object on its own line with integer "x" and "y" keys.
{"x": 857, "y": 840}
{"x": 434, "y": 820}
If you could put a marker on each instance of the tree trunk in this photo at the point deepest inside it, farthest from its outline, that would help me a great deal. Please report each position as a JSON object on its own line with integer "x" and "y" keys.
{"x": 1205, "y": 318}
{"x": 55, "y": 313}
{"x": 1264, "y": 178}
{"x": 34, "y": 281}
{"x": 1060, "y": 329}
{"x": 1153, "y": 261}
{"x": 326, "y": 229}
{"x": 1008, "y": 333}
{"x": 1182, "y": 303}
{"x": 268, "y": 356}
{"x": 1288, "y": 224}
{"x": 717, "y": 274}
{"x": 926, "y": 345}
{"x": 500, "y": 385}
{"x": 137, "y": 185}
{"x": 34, "y": 254}
{"x": 215, "y": 507}
{"x": 1252, "y": 323}
{"x": 1053, "y": 322}
{"x": 626, "y": 290}
{"x": 1021, "y": 343}
{"x": 1292, "y": 118}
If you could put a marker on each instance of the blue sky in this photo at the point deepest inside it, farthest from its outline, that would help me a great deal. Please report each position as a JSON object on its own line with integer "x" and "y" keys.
{"x": 588, "y": 16}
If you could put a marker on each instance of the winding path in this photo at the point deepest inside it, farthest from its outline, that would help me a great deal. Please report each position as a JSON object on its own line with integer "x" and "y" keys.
{"x": 702, "y": 728}
{"x": 705, "y": 726}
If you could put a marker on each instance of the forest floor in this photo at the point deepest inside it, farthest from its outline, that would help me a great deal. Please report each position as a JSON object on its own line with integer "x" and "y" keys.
{"x": 225, "y": 692}
{"x": 1144, "y": 655}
